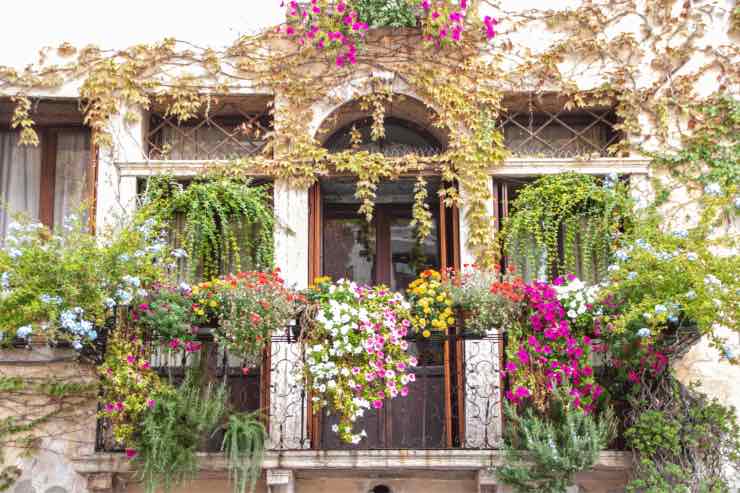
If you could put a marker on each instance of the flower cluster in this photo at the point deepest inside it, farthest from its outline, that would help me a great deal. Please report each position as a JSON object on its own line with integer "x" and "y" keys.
{"x": 356, "y": 354}
{"x": 128, "y": 385}
{"x": 253, "y": 306}
{"x": 61, "y": 285}
{"x": 338, "y": 28}
{"x": 431, "y": 305}
{"x": 334, "y": 28}
{"x": 166, "y": 312}
{"x": 580, "y": 302}
{"x": 550, "y": 355}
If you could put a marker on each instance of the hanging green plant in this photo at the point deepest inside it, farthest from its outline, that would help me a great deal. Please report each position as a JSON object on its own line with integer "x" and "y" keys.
{"x": 566, "y": 223}
{"x": 223, "y": 224}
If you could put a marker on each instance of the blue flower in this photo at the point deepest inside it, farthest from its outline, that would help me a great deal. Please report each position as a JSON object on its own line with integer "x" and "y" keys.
{"x": 132, "y": 281}
{"x": 77, "y": 345}
{"x": 681, "y": 233}
{"x": 14, "y": 253}
{"x": 5, "y": 280}
{"x": 24, "y": 332}
{"x": 664, "y": 256}
{"x": 124, "y": 297}
{"x": 622, "y": 255}
{"x": 643, "y": 332}
{"x": 692, "y": 256}
{"x": 660, "y": 309}
{"x": 632, "y": 276}
{"x": 50, "y": 300}
{"x": 611, "y": 180}
{"x": 613, "y": 268}
{"x": 727, "y": 352}
{"x": 110, "y": 303}
{"x": 673, "y": 318}
{"x": 713, "y": 188}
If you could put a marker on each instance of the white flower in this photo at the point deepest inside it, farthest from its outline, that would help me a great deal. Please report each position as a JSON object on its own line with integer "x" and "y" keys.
{"x": 691, "y": 295}
{"x": 660, "y": 309}
{"x": 572, "y": 314}
{"x": 179, "y": 253}
{"x": 5, "y": 280}
{"x": 632, "y": 276}
{"x": 14, "y": 253}
{"x": 335, "y": 428}
{"x": 713, "y": 188}
{"x": 124, "y": 297}
{"x": 692, "y": 256}
{"x": 109, "y": 303}
{"x": 77, "y": 345}
{"x": 712, "y": 280}
{"x": 681, "y": 233}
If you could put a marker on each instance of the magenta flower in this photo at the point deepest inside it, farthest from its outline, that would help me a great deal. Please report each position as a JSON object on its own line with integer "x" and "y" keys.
{"x": 377, "y": 404}
{"x": 130, "y": 359}
{"x": 632, "y": 377}
{"x": 109, "y": 408}
{"x": 150, "y": 403}
{"x": 404, "y": 391}
{"x": 522, "y": 392}
{"x": 130, "y": 453}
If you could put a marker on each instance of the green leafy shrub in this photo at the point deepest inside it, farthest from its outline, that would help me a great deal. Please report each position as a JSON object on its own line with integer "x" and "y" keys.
{"x": 385, "y": 13}
{"x": 226, "y": 224}
{"x": 653, "y": 432}
{"x": 62, "y": 285}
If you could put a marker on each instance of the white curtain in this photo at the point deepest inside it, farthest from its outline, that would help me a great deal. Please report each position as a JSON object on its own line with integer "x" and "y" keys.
{"x": 73, "y": 159}
{"x": 20, "y": 180}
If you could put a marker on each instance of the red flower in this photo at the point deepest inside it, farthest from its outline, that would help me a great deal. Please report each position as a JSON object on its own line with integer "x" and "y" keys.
{"x": 256, "y": 319}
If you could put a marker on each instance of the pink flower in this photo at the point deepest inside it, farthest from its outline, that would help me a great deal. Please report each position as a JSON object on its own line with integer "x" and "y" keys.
{"x": 412, "y": 377}
{"x": 522, "y": 393}
{"x": 632, "y": 377}
{"x": 378, "y": 404}
{"x": 175, "y": 343}
{"x": 341, "y": 7}
{"x": 119, "y": 406}
{"x": 426, "y": 5}
{"x": 109, "y": 408}
{"x": 290, "y": 31}
{"x": 131, "y": 359}
{"x": 150, "y": 403}
{"x": 404, "y": 391}
{"x": 145, "y": 365}
{"x": 130, "y": 453}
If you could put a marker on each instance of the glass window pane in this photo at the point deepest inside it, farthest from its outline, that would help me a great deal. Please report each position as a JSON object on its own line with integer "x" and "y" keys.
{"x": 20, "y": 180}
{"x": 349, "y": 249}
{"x": 73, "y": 158}
{"x": 409, "y": 256}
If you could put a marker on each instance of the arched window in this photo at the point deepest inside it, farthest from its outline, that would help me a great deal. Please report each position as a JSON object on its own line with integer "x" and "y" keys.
{"x": 402, "y": 137}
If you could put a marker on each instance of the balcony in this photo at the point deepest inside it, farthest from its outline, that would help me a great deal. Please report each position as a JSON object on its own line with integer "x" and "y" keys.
{"x": 454, "y": 403}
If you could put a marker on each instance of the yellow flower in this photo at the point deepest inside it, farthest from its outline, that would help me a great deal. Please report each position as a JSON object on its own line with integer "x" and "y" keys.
{"x": 451, "y": 321}
{"x": 213, "y": 304}
{"x": 448, "y": 302}
{"x": 426, "y": 333}
{"x": 423, "y": 322}
{"x": 440, "y": 298}
{"x": 422, "y": 290}
{"x": 195, "y": 290}
{"x": 199, "y": 311}
{"x": 427, "y": 311}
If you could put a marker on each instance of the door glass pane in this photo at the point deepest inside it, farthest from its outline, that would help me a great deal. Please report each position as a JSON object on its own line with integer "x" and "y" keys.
{"x": 409, "y": 256}
{"x": 349, "y": 249}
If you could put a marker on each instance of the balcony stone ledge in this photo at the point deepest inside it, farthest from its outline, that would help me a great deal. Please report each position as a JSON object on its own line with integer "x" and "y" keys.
{"x": 355, "y": 460}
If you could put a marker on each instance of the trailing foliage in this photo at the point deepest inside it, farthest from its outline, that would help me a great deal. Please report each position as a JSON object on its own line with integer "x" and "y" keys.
{"x": 543, "y": 452}
{"x": 386, "y": 13}
{"x": 173, "y": 430}
{"x": 244, "y": 447}
{"x": 575, "y": 207}
{"x": 227, "y": 224}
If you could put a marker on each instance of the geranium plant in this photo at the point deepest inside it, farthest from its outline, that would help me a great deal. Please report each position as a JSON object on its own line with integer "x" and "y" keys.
{"x": 356, "y": 352}
{"x": 431, "y": 305}
{"x": 253, "y": 306}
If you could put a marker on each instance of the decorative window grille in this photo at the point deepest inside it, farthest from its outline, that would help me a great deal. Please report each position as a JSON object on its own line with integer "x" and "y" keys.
{"x": 230, "y": 128}
{"x": 560, "y": 133}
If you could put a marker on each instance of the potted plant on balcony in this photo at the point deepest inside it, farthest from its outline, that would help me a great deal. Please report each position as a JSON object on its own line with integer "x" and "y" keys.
{"x": 431, "y": 304}
{"x": 166, "y": 313}
{"x": 250, "y": 307}
{"x": 356, "y": 352}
